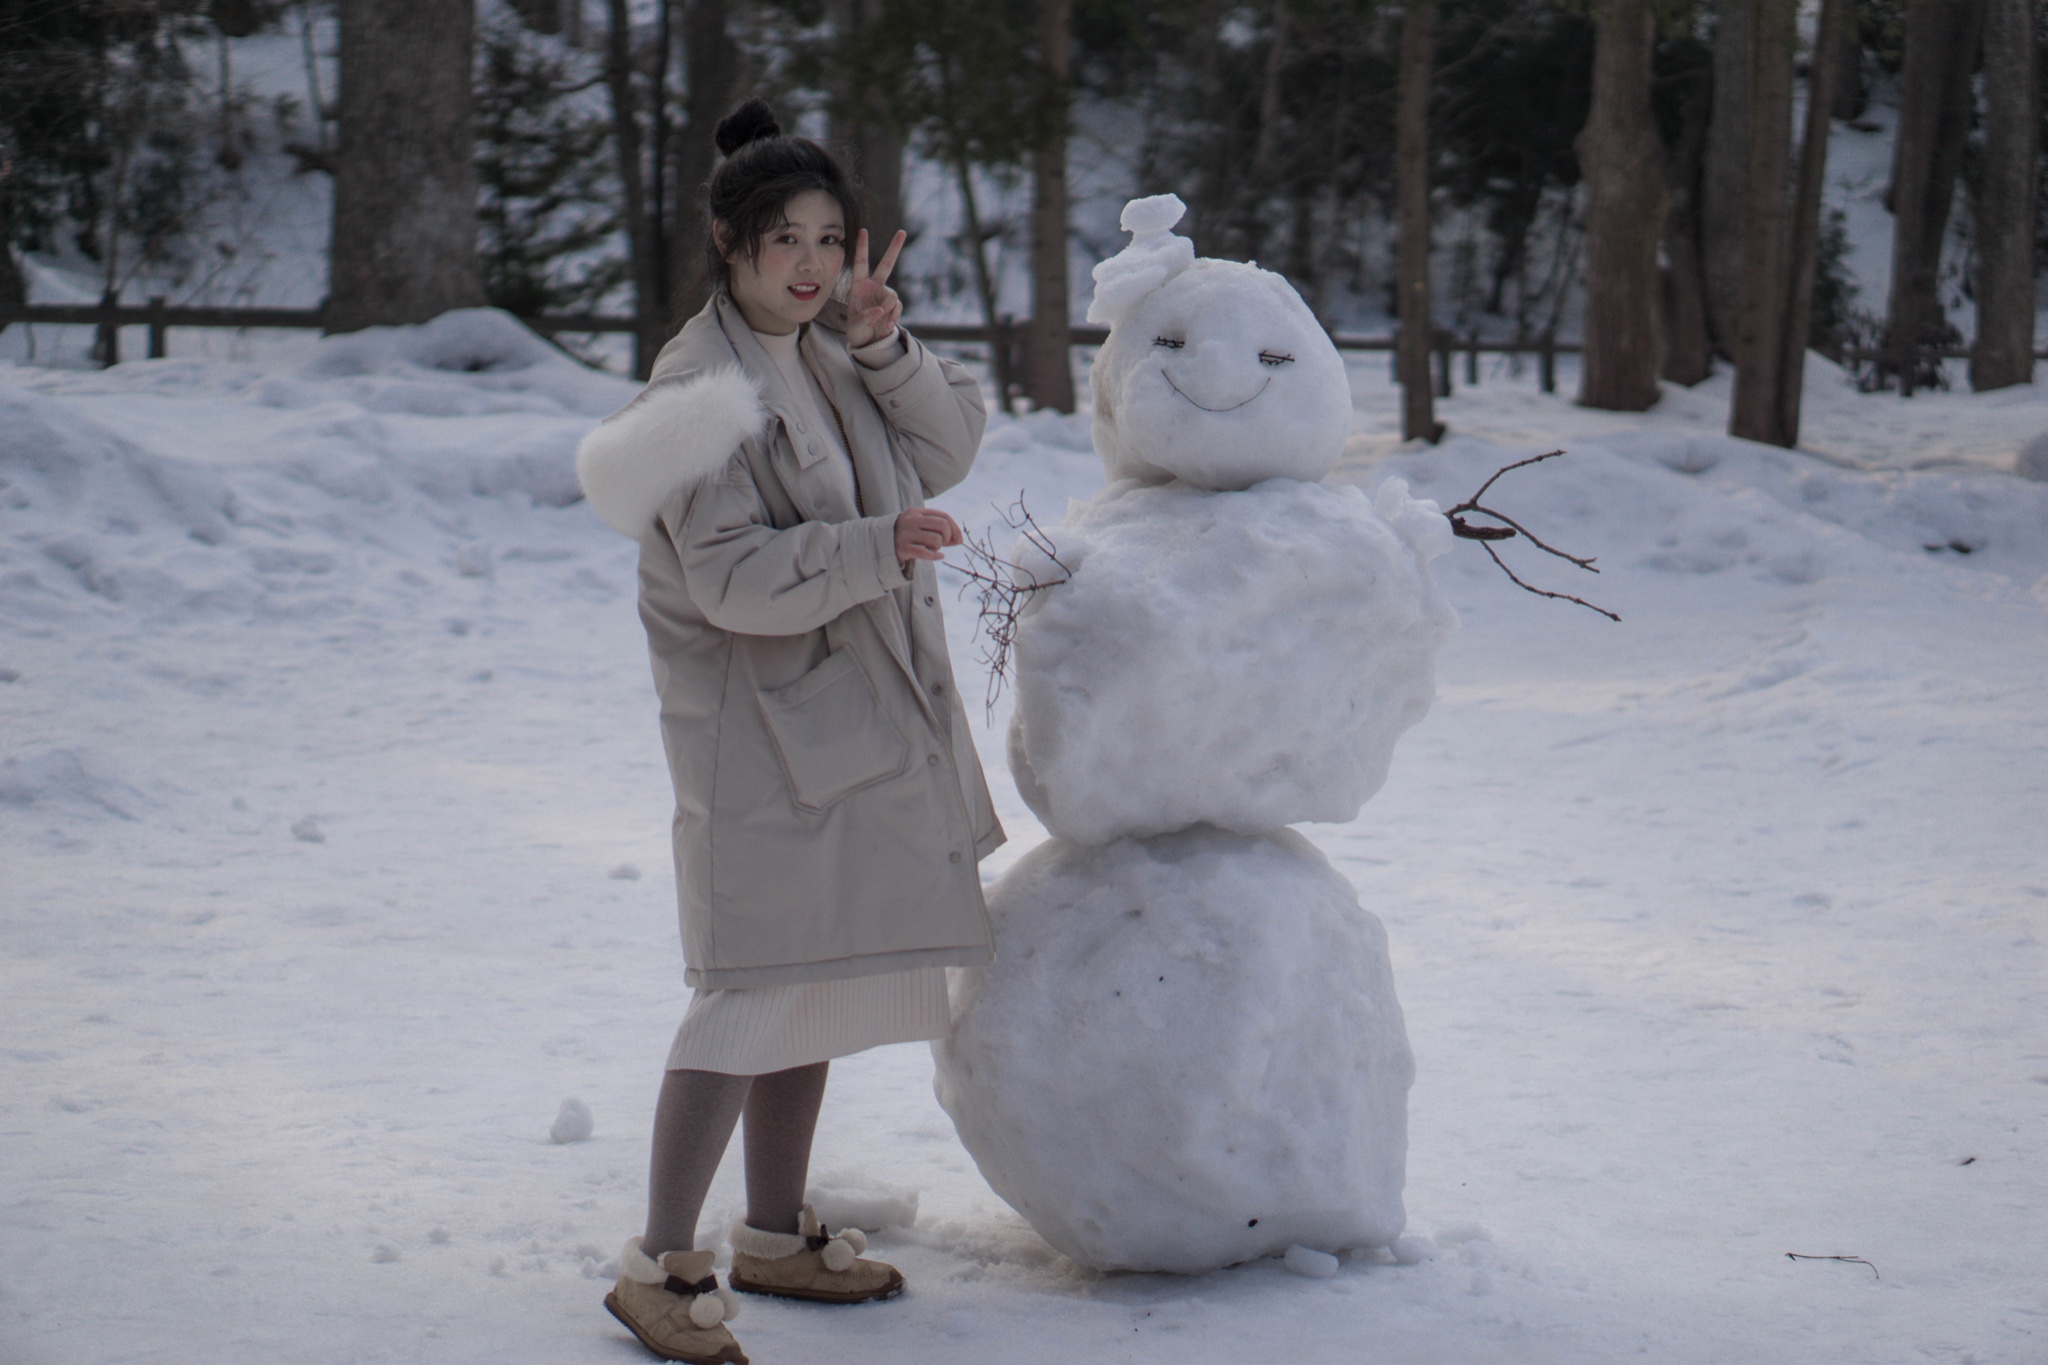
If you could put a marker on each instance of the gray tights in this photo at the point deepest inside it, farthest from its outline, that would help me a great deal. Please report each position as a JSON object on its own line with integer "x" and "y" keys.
{"x": 693, "y": 1122}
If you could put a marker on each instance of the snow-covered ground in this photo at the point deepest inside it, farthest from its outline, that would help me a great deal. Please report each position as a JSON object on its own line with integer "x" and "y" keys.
{"x": 333, "y": 857}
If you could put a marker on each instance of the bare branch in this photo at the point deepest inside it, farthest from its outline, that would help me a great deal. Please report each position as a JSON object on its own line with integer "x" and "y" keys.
{"x": 1544, "y": 592}
{"x": 1510, "y": 528}
{"x": 1001, "y": 589}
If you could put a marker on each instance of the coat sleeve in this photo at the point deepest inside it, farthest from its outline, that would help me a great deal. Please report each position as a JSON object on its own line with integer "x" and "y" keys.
{"x": 752, "y": 579}
{"x": 935, "y": 407}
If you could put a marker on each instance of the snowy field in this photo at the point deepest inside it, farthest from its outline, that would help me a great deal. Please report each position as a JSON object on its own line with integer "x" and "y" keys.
{"x": 333, "y": 857}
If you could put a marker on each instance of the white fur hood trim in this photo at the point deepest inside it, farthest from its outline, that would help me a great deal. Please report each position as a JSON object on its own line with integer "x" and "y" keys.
{"x": 675, "y": 435}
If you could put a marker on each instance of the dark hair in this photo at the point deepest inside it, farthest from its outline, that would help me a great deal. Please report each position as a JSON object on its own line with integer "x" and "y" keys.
{"x": 763, "y": 170}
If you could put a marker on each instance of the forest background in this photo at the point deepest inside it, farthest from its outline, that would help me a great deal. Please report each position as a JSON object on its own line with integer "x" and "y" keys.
{"x": 1643, "y": 177}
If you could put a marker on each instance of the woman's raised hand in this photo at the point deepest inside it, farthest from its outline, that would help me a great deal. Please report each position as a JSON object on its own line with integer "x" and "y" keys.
{"x": 872, "y": 307}
{"x": 924, "y": 533}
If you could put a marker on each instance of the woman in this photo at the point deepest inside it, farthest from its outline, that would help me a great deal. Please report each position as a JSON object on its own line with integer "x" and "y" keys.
{"x": 830, "y": 809}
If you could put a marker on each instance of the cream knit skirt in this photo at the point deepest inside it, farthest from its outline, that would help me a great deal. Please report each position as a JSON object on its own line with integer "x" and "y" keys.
{"x": 750, "y": 1031}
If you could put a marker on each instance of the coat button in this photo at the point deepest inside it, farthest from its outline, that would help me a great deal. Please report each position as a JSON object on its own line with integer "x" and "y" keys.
{"x": 931, "y": 760}
{"x": 954, "y": 856}
{"x": 938, "y": 689}
{"x": 894, "y": 404}
{"x": 930, "y": 600}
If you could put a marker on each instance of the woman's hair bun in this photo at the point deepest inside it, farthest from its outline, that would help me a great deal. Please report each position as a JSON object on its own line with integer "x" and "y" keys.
{"x": 749, "y": 122}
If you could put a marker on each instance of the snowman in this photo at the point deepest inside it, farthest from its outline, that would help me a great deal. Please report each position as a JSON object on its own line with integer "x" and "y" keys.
{"x": 1188, "y": 1051}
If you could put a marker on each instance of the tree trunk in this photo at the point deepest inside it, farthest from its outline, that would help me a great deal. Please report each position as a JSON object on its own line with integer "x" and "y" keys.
{"x": 648, "y": 299}
{"x": 13, "y": 287}
{"x": 986, "y": 285}
{"x": 1623, "y": 167}
{"x": 1851, "y": 91}
{"x": 2004, "y": 350}
{"x": 1048, "y": 377}
{"x": 1688, "y": 350}
{"x": 1244, "y": 234}
{"x": 404, "y": 245}
{"x": 1935, "y": 103}
{"x": 1724, "y": 180}
{"x": 711, "y": 61}
{"x": 1411, "y": 157}
{"x": 1766, "y": 292}
{"x": 1806, "y": 204}
{"x": 874, "y": 144}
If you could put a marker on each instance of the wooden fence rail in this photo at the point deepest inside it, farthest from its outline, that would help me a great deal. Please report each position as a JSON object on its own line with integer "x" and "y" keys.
{"x": 159, "y": 316}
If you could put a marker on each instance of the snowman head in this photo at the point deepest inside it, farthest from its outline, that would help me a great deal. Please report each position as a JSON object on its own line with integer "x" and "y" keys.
{"x": 1215, "y": 372}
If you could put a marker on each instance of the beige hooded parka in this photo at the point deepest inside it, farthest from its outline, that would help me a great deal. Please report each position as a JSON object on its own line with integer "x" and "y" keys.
{"x": 830, "y": 808}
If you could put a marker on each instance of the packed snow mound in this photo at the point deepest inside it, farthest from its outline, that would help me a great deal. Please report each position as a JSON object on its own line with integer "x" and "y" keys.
{"x": 1691, "y": 505}
{"x": 1187, "y": 1053}
{"x": 854, "y": 1199}
{"x": 502, "y": 366}
{"x": 1245, "y": 660}
{"x": 189, "y": 488}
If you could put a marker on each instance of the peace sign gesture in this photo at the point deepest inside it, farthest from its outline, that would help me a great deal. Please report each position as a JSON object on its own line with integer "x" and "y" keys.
{"x": 872, "y": 307}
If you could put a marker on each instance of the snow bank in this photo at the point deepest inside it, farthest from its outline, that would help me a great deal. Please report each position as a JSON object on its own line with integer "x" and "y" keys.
{"x": 1187, "y": 1053}
{"x": 1245, "y": 660}
{"x": 193, "y": 488}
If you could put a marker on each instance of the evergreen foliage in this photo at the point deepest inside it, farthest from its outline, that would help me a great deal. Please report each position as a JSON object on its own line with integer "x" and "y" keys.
{"x": 547, "y": 196}
{"x": 99, "y": 129}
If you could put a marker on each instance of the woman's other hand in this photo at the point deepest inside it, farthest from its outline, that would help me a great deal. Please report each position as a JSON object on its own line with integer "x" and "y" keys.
{"x": 924, "y": 533}
{"x": 872, "y": 308}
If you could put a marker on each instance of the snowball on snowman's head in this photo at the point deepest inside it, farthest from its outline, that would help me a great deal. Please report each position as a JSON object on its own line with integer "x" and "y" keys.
{"x": 1215, "y": 372}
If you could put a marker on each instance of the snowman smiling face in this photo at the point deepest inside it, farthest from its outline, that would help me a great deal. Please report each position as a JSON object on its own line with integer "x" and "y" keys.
{"x": 1220, "y": 377}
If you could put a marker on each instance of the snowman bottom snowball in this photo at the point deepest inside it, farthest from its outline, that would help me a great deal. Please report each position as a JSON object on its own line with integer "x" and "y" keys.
{"x": 1186, "y": 1054}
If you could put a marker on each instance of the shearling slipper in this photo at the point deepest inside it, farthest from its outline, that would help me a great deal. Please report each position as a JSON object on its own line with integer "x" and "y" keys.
{"x": 811, "y": 1263}
{"x": 675, "y": 1306}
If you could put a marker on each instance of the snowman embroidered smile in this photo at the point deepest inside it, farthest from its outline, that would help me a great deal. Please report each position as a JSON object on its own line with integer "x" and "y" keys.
{"x": 1270, "y": 359}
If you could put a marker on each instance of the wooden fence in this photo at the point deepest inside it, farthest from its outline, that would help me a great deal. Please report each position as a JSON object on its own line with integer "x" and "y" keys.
{"x": 159, "y": 316}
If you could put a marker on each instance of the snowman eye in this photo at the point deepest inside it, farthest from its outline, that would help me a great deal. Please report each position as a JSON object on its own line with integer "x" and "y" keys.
{"x": 1275, "y": 358}
{"x": 1170, "y": 343}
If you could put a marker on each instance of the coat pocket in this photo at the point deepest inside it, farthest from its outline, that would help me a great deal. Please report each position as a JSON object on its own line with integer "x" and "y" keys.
{"x": 831, "y": 734}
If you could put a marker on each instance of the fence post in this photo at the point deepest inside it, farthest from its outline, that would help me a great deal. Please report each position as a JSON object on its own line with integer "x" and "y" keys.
{"x": 1546, "y": 363}
{"x": 1443, "y": 364}
{"x": 107, "y": 345}
{"x": 1472, "y": 361}
{"x": 159, "y": 339}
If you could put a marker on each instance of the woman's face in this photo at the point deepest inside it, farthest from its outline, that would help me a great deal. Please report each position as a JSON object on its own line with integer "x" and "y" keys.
{"x": 784, "y": 286}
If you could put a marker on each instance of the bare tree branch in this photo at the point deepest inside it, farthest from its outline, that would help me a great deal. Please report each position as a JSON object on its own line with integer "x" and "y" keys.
{"x": 1510, "y": 528}
{"x": 1001, "y": 589}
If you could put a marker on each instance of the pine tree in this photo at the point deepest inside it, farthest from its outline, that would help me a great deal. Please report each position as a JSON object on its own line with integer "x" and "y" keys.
{"x": 547, "y": 222}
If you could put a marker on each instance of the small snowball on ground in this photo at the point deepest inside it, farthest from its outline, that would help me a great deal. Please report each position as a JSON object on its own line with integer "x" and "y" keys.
{"x": 573, "y": 1123}
{"x": 307, "y": 831}
{"x": 1412, "y": 1250}
{"x": 1186, "y": 1054}
{"x": 1148, "y": 693}
{"x": 849, "y": 1199}
{"x": 1317, "y": 1265}
{"x": 624, "y": 872}
{"x": 384, "y": 1254}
